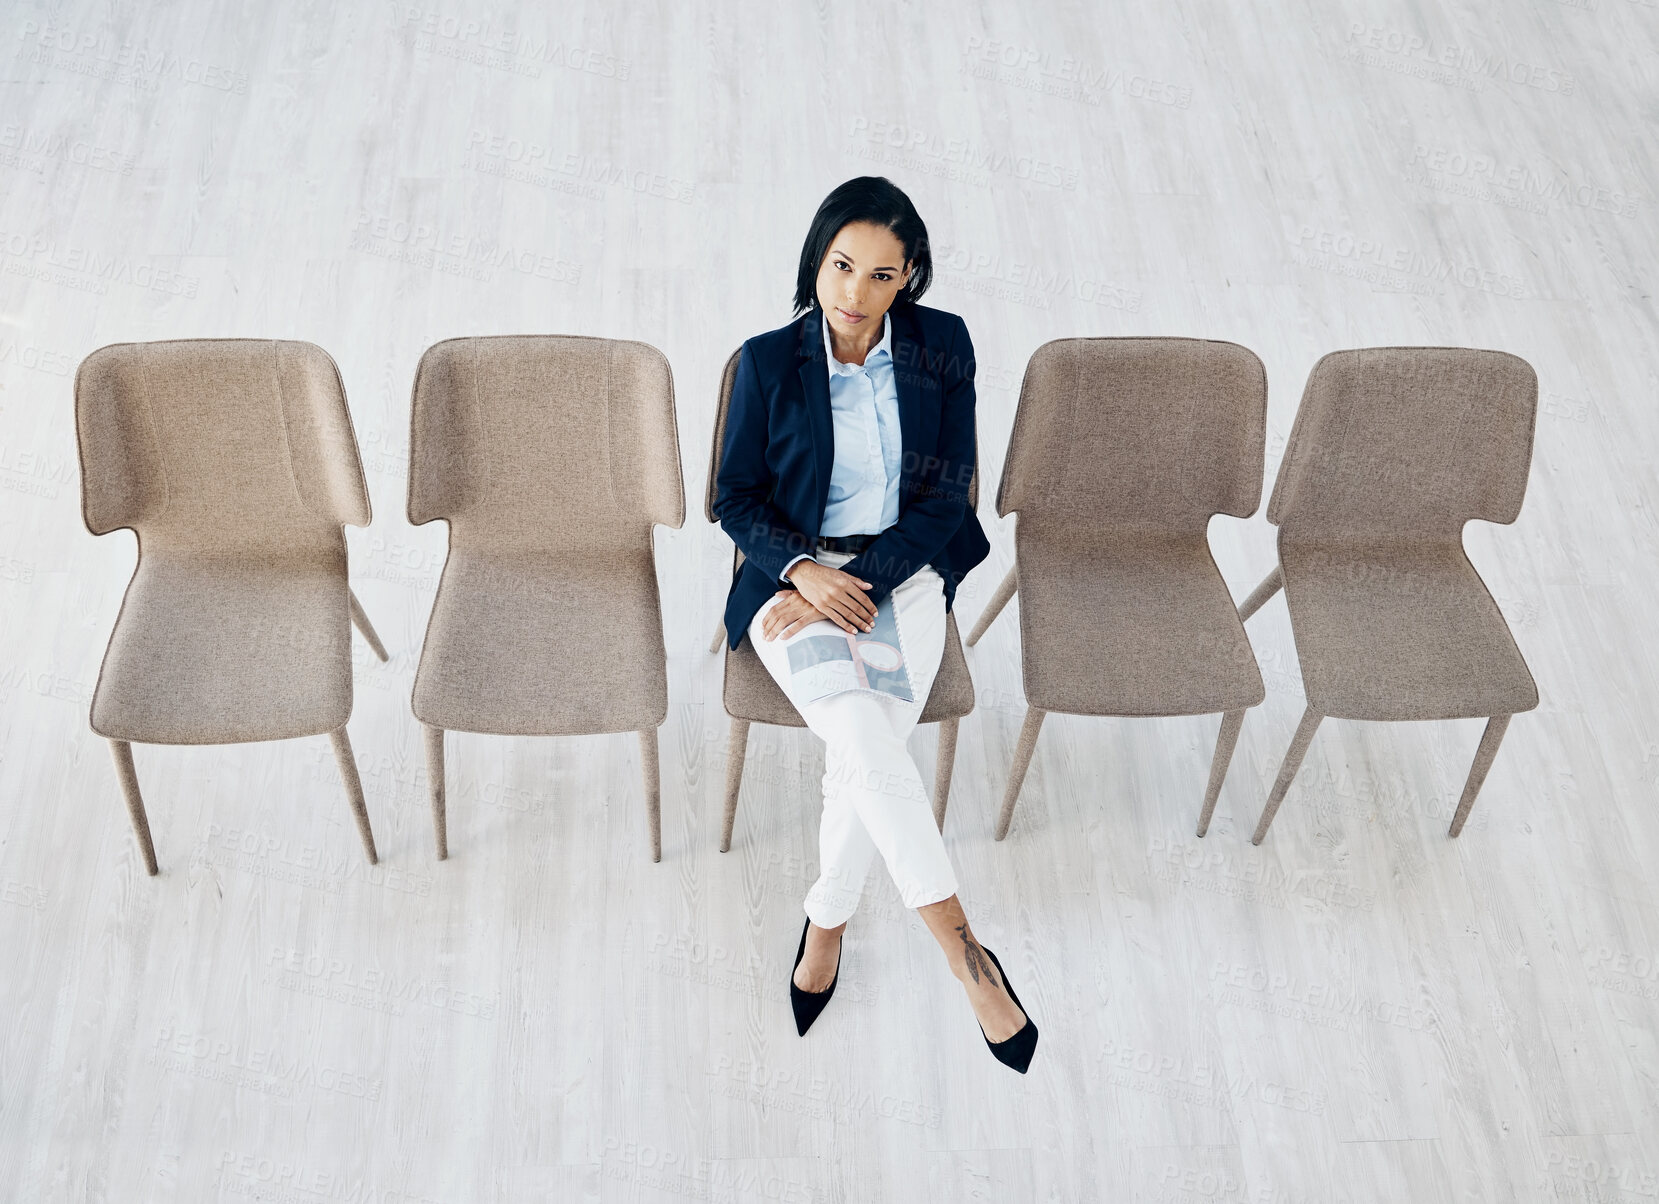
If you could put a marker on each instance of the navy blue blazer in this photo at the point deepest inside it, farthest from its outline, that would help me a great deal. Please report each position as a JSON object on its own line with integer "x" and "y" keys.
{"x": 779, "y": 448}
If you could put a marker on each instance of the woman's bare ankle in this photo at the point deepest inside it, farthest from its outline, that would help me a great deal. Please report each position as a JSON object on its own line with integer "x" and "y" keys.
{"x": 969, "y": 961}
{"x": 967, "y": 958}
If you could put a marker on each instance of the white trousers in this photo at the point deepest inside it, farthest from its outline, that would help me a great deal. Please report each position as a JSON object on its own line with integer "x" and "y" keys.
{"x": 874, "y": 798}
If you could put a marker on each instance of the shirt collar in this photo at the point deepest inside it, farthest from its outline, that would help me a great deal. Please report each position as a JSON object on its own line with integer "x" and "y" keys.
{"x": 884, "y": 347}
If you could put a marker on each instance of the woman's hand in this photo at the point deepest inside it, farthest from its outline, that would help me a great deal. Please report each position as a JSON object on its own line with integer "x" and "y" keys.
{"x": 820, "y": 593}
{"x": 840, "y": 596}
{"x": 791, "y": 613}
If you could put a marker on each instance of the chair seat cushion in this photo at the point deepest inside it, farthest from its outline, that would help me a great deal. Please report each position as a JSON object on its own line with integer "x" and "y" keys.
{"x": 224, "y": 649}
{"x": 1121, "y": 622}
{"x": 536, "y": 643}
{"x": 751, "y": 692}
{"x": 1397, "y": 630}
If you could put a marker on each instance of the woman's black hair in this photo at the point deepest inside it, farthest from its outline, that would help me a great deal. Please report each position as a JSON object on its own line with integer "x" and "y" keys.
{"x": 877, "y": 200}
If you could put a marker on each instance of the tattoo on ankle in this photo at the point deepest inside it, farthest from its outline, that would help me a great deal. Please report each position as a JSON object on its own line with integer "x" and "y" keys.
{"x": 974, "y": 956}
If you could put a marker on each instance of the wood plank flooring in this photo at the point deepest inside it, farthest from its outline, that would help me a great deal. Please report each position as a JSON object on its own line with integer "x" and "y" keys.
{"x": 1359, "y": 1010}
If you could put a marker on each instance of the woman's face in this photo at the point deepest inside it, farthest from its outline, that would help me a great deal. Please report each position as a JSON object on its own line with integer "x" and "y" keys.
{"x": 861, "y": 274}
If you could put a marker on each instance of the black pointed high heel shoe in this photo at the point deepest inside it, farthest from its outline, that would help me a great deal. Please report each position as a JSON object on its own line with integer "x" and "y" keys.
{"x": 1015, "y": 1051}
{"x": 807, "y": 1004}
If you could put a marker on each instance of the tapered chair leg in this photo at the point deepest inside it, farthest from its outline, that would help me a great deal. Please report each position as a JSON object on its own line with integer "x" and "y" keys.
{"x": 1293, "y": 761}
{"x": 1231, "y": 722}
{"x": 1005, "y": 591}
{"x": 360, "y": 619}
{"x": 1489, "y": 741}
{"x": 651, "y": 771}
{"x": 1271, "y": 584}
{"x": 946, "y": 767}
{"x": 736, "y": 750}
{"x": 128, "y": 773}
{"x": 435, "y": 782}
{"x": 354, "y": 790}
{"x": 1022, "y": 762}
{"x": 719, "y": 636}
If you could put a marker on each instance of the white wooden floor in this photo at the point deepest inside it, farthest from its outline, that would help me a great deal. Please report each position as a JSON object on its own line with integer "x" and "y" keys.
{"x": 1359, "y": 1010}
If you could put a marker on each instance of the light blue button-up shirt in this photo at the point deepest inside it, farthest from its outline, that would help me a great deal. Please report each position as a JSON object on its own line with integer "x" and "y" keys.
{"x": 869, "y": 448}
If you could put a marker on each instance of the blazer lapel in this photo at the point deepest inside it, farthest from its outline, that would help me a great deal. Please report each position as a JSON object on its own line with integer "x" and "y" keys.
{"x": 814, "y": 370}
{"x": 907, "y": 367}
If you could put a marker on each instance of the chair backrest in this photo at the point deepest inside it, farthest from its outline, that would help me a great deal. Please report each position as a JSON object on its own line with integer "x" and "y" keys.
{"x": 548, "y": 441}
{"x": 727, "y": 378}
{"x": 1152, "y": 433}
{"x": 1399, "y": 442}
{"x": 217, "y": 444}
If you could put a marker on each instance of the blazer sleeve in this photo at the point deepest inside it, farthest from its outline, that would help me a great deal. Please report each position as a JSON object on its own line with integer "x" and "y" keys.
{"x": 744, "y": 485}
{"x": 939, "y": 500}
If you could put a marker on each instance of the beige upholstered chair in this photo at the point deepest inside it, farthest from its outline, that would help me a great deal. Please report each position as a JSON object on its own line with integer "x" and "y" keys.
{"x": 551, "y": 457}
{"x": 1393, "y": 450}
{"x": 752, "y": 696}
{"x": 234, "y": 462}
{"x": 1122, "y": 450}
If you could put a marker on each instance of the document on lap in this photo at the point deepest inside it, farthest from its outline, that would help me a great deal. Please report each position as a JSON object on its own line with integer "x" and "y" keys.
{"x": 825, "y": 660}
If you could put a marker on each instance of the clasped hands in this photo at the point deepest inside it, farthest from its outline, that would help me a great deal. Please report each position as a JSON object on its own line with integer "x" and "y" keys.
{"x": 820, "y": 593}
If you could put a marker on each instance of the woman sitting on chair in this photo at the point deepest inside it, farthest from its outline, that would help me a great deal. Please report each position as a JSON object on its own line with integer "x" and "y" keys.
{"x": 844, "y": 477}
